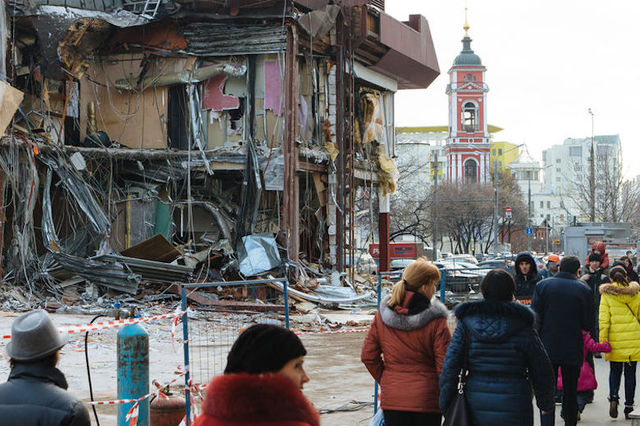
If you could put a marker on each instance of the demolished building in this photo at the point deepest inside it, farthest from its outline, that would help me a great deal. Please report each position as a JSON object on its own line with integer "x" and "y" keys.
{"x": 207, "y": 122}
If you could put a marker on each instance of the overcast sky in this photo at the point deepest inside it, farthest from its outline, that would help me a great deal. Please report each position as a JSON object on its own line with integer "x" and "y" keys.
{"x": 547, "y": 63}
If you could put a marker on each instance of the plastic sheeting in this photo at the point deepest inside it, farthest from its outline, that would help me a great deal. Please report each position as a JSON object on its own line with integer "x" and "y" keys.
{"x": 258, "y": 253}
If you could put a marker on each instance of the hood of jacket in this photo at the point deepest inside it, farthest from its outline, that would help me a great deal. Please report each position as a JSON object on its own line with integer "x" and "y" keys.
{"x": 600, "y": 246}
{"x": 39, "y": 370}
{"x": 393, "y": 319}
{"x": 257, "y": 398}
{"x": 625, "y": 293}
{"x": 526, "y": 257}
{"x": 493, "y": 321}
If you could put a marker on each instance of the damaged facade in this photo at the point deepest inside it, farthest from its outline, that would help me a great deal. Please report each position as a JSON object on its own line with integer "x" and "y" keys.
{"x": 148, "y": 131}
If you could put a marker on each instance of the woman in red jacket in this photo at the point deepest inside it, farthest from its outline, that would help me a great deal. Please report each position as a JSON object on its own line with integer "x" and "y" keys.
{"x": 262, "y": 382}
{"x": 405, "y": 348}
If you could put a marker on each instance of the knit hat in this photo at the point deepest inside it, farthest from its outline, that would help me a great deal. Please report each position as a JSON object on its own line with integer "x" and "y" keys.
{"x": 263, "y": 348}
{"x": 33, "y": 337}
{"x": 553, "y": 258}
{"x": 594, "y": 258}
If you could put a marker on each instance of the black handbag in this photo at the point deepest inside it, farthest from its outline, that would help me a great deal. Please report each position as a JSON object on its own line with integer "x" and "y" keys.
{"x": 458, "y": 412}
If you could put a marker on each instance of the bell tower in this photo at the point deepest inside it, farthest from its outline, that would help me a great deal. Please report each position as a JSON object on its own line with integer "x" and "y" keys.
{"x": 468, "y": 142}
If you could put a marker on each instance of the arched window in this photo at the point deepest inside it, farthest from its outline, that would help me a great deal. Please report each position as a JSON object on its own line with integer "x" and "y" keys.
{"x": 470, "y": 171}
{"x": 469, "y": 117}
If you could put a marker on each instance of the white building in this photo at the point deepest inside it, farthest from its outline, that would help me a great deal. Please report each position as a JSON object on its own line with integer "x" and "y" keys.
{"x": 545, "y": 206}
{"x": 569, "y": 162}
{"x": 419, "y": 148}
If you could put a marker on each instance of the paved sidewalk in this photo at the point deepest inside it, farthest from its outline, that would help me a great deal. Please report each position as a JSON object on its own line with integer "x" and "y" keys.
{"x": 597, "y": 413}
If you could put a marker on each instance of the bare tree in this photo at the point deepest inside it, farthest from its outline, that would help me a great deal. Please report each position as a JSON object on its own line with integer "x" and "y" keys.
{"x": 466, "y": 212}
{"x": 411, "y": 203}
{"x": 616, "y": 199}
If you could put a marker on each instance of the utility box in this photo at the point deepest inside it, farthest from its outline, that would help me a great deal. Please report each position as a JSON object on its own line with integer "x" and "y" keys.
{"x": 616, "y": 236}
{"x": 405, "y": 250}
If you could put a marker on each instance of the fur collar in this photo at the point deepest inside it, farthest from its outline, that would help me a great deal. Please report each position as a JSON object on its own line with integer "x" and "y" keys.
{"x": 616, "y": 289}
{"x": 497, "y": 309}
{"x": 256, "y": 399}
{"x": 392, "y": 319}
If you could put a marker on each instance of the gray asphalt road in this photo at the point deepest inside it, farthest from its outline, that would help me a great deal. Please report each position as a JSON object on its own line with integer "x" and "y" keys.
{"x": 597, "y": 413}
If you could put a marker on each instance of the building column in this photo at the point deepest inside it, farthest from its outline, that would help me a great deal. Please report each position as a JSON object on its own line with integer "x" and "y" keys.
{"x": 483, "y": 174}
{"x": 383, "y": 231}
{"x": 460, "y": 169}
{"x": 291, "y": 188}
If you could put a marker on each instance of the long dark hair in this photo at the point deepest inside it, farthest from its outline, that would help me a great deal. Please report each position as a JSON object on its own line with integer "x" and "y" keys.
{"x": 618, "y": 274}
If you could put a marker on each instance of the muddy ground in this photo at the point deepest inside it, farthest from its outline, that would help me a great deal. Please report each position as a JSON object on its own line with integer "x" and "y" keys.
{"x": 333, "y": 362}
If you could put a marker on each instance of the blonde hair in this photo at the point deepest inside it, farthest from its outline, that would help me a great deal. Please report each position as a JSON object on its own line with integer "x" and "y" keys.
{"x": 414, "y": 276}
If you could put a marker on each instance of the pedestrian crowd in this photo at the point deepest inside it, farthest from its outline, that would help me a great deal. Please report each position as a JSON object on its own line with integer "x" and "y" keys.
{"x": 535, "y": 333}
{"x": 501, "y": 354}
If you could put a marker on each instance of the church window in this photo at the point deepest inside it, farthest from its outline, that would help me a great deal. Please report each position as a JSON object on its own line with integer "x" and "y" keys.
{"x": 469, "y": 77}
{"x": 470, "y": 172}
{"x": 469, "y": 117}
{"x": 499, "y": 151}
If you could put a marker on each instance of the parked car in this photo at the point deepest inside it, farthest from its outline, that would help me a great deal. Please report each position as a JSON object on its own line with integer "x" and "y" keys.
{"x": 400, "y": 264}
{"x": 494, "y": 264}
{"x": 461, "y": 277}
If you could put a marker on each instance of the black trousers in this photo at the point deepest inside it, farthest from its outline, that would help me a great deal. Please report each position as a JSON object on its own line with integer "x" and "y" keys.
{"x": 570, "y": 374}
{"x": 411, "y": 418}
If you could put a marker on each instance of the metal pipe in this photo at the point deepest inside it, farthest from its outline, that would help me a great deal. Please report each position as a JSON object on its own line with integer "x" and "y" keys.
{"x": 231, "y": 283}
{"x": 375, "y": 386}
{"x": 187, "y": 375}
{"x": 285, "y": 285}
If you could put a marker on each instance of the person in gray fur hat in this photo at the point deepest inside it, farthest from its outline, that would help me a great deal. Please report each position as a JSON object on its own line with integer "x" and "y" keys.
{"x": 35, "y": 393}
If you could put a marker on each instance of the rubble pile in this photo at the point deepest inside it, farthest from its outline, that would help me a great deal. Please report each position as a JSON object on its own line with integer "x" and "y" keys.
{"x": 152, "y": 144}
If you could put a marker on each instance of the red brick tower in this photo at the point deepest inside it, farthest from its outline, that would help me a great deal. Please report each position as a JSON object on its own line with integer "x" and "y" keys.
{"x": 468, "y": 144}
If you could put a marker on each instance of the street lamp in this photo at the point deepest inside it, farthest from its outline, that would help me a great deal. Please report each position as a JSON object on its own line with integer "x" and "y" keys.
{"x": 495, "y": 199}
{"x": 592, "y": 176}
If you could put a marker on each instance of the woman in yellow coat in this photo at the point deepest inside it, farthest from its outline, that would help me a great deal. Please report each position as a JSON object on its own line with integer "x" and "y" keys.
{"x": 619, "y": 313}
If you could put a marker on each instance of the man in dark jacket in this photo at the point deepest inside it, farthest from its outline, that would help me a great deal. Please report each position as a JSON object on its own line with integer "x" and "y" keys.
{"x": 35, "y": 393}
{"x": 594, "y": 276}
{"x": 526, "y": 277}
{"x": 565, "y": 307}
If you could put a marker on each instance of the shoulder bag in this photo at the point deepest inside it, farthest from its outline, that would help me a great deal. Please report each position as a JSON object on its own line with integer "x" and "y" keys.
{"x": 458, "y": 412}
{"x": 632, "y": 314}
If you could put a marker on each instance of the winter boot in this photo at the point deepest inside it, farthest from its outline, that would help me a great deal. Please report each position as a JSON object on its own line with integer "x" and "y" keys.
{"x": 613, "y": 406}
{"x": 627, "y": 410}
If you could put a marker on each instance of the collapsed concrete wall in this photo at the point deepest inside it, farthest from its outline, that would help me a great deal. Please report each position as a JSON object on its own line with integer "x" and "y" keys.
{"x": 196, "y": 125}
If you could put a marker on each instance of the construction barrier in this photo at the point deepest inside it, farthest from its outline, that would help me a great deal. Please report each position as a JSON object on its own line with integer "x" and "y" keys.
{"x": 207, "y": 342}
{"x": 83, "y": 328}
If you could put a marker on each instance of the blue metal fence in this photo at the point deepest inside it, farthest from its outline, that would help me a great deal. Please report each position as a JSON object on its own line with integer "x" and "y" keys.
{"x": 185, "y": 322}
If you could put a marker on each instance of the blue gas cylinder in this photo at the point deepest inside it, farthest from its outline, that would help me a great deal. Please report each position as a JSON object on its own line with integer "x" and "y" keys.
{"x": 133, "y": 371}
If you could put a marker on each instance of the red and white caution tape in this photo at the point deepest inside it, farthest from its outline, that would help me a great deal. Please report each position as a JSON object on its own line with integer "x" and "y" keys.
{"x": 132, "y": 414}
{"x": 74, "y": 329}
{"x": 158, "y": 392}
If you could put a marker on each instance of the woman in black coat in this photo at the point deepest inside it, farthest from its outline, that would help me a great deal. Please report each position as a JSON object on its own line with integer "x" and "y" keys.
{"x": 505, "y": 359}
